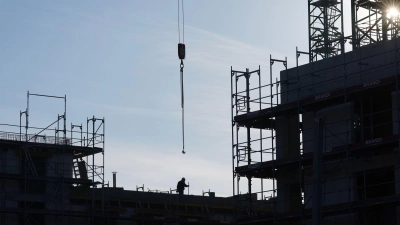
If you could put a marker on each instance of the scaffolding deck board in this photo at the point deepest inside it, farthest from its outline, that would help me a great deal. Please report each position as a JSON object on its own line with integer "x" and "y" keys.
{"x": 78, "y": 151}
{"x": 311, "y": 103}
{"x": 265, "y": 169}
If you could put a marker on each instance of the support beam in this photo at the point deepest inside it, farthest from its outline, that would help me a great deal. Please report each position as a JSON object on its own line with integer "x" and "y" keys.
{"x": 317, "y": 171}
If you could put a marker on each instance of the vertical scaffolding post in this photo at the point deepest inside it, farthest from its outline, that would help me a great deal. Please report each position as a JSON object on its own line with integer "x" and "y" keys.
{"x": 271, "y": 62}
{"x": 353, "y": 27}
{"x": 261, "y": 137}
{"x": 237, "y": 133}
{"x": 92, "y": 142}
{"x": 25, "y": 216}
{"x": 247, "y": 76}
{"x": 298, "y": 53}
{"x": 273, "y": 138}
{"x": 242, "y": 151}
{"x": 347, "y": 137}
{"x": 233, "y": 136}
{"x": 103, "y": 172}
{"x": 28, "y": 158}
{"x": 384, "y": 26}
{"x": 93, "y": 169}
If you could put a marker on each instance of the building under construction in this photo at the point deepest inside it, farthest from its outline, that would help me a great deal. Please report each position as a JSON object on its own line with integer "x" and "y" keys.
{"x": 319, "y": 145}
{"x": 56, "y": 176}
{"x": 322, "y": 142}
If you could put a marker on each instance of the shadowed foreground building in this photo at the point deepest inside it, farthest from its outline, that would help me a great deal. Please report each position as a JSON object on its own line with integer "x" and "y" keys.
{"x": 326, "y": 143}
{"x": 322, "y": 141}
{"x": 60, "y": 180}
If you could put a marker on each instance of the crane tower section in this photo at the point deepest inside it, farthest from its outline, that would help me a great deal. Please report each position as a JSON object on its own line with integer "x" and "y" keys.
{"x": 325, "y": 28}
{"x": 374, "y": 21}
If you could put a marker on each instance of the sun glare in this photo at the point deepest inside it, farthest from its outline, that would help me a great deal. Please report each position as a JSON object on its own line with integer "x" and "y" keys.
{"x": 392, "y": 12}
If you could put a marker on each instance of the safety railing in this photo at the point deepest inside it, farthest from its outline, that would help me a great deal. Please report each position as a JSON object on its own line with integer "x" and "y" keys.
{"x": 35, "y": 138}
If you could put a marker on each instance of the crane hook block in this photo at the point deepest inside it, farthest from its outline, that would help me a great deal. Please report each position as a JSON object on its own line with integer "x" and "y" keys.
{"x": 181, "y": 51}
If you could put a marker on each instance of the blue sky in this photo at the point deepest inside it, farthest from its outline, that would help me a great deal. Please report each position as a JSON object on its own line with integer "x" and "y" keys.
{"x": 118, "y": 60}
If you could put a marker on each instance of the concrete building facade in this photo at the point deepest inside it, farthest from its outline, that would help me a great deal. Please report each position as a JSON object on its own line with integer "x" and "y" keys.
{"x": 46, "y": 180}
{"x": 325, "y": 144}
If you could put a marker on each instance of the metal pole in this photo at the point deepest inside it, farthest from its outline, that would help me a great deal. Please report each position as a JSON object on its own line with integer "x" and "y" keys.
{"x": 87, "y": 135}
{"x": 271, "y": 62}
{"x": 384, "y": 26}
{"x": 353, "y": 25}
{"x": 298, "y": 112}
{"x": 65, "y": 119}
{"x": 26, "y": 151}
{"x": 261, "y": 136}
{"x": 233, "y": 142}
{"x": 104, "y": 139}
{"x": 20, "y": 131}
{"x": 309, "y": 32}
{"x": 247, "y": 76}
{"x": 63, "y": 158}
{"x": 342, "y": 29}
{"x": 237, "y": 135}
{"x": 93, "y": 135}
{"x": 326, "y": 31}
{"x": 58, "y": 129}
{"x": 114, "y": 179}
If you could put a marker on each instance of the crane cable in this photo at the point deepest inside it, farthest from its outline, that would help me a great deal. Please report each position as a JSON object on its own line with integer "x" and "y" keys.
{"x": 181, "y": 54}
{"x": 183, "y": 24}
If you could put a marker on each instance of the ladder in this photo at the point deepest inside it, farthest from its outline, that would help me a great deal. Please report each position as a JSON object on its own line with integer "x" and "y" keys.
{"x": 80, "y": 170}
{"x": 76, "y": 169}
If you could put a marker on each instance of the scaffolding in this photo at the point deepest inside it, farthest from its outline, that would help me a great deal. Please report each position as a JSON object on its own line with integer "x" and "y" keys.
{"x": 40, "y": 166}
{"x": 322, "y": 142}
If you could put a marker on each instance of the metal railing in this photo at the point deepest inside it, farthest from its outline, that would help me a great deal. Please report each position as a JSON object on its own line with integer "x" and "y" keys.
{"x": 35, "y": 138}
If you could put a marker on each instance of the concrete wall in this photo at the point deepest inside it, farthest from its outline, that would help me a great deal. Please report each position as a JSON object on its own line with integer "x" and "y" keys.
{"x": 56, "y": 197}
{"x": 366, "y": 65}
{"x": 9, "y": 161}
{"x": 363, "y": 68}
{"x": 335, "y": 127}
{"x": 60, "y": 165}
{"x": 288, "y": 179}
{"x": 334, "y": 189}
{"x": 337, "y": 180}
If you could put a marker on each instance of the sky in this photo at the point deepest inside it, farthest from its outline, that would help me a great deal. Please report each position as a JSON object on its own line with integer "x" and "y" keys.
{"x": 118, "y": 60}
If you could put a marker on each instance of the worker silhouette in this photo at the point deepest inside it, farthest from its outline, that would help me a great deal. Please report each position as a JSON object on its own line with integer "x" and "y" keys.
{"x": 180, "y": 187}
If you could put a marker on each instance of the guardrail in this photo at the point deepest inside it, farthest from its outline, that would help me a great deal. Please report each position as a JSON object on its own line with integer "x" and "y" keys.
{"x": 35, "y": 138}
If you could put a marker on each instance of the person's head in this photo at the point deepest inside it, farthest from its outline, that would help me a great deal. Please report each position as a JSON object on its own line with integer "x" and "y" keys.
{"x": 183, "y": 178}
